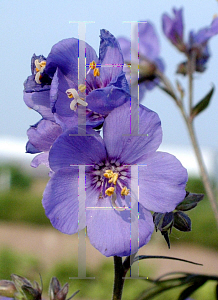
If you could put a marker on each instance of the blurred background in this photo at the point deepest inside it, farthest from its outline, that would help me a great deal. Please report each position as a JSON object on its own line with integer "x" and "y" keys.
{"x": 28, "y": 243}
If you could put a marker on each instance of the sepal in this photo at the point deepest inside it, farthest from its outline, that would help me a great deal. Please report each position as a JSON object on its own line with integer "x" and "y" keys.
{"x": 181, "y": 221}
{"x": 191, "y": 200}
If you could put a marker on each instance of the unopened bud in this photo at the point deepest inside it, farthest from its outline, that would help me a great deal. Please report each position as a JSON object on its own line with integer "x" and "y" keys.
{"x": 55, "y": 290}
{"x": 181, "y": 221}
{"x": 163, "y": 222}
{"x": 25, "y": 290}
{"x": 7, "y": 288}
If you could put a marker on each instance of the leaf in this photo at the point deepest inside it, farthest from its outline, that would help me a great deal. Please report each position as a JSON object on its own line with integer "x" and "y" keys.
{"x": 191, "y": 289}
{"x": 202, "y": 104}
{"x": 140, "y": 257}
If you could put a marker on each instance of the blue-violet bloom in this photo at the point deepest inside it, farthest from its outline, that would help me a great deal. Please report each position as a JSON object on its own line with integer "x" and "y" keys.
{"x": 103, "y": 85}
{"x": 108, "y": 161}
{"x": 197, "y": 44}
{"x": 144, "y": 59}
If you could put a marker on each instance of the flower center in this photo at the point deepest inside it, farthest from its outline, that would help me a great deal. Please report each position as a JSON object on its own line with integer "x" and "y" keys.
{"x": 40, "y": 66}
{"x": 111, "y": 179}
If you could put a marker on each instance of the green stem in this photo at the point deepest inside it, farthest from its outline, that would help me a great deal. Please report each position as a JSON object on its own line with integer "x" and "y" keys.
{"x": 118, "y": 278}
{"x": 204, "y": 175}
{"x": 188, "y": 120}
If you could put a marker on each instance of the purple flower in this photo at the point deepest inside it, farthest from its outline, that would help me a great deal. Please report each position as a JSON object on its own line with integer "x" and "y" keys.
{"x": 196, "y": 47}
{"x": 37, "y": 96}
{"x": 103, "y": 86}
{"x": 197, "y": 44}
{"x": 173, "y": 28}
{"x": 108, "y": 162}
{"x": 149, "y": 61}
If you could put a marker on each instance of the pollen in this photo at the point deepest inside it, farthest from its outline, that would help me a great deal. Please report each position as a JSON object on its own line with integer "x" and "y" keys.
{"x": 108, "y": 174}
{"x": 124, "y": 191}
{"x": 109, "y": 191}
{"x": 114, "y": 178}
{"x": 92, "y": 65}
{"x": 96, "y": 72}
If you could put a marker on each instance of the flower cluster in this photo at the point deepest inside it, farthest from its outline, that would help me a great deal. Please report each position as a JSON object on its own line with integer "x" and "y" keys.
{"x": 68, "y": 140}
{"x": 197, "y": 45}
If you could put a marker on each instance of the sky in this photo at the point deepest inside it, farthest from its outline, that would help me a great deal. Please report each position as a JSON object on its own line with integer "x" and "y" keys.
{"x": 28, "y": 27}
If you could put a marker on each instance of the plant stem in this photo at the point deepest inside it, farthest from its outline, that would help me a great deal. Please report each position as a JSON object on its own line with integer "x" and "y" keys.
{"x": 204, "y": 175}
{"x": 118, "y": 278}
{"x": 189, "y": 123}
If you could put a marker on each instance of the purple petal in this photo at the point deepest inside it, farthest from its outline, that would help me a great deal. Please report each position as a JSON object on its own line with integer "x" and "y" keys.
{"x": 203, "y": 35}
{"x": 148, "y": 41}
{"x": 38, "y": 98}
{"x": 109, "y": 230}
{"x": 162, "y": 182}
{"x": 43, "y": 134}
{"x": 110, "y": 57}
{"x": 39, "y": 159}
{"x": 129, "y": 148}
{"x": 70, "y": 149}
{"x": 104, "y": 100}
{"x": 173, "y": 28}
{"x": 125, "y": 46}
{"x": 60, "y": 200}
{"x": 64, "y": 55}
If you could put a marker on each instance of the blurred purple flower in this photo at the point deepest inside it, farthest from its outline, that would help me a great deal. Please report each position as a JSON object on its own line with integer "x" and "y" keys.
{"x": 173, "y": 28}
{"x": 108, "y": 161}
{"x": 149, "y": 61}
{"x": 197, "y": 44}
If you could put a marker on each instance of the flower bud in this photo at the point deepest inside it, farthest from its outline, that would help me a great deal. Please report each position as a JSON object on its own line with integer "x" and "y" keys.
{"x": 55, "y": 290}
{"x": 163, "y": 222}
{"x": 25, "y": 290}
{"x": 181, "y": 221}
{"x": 7, "y": 288}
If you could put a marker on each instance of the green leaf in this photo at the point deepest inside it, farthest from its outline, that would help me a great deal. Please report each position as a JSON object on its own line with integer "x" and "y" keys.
{"x": 192, "y": 288}
{"x": 140, "y": 257}
{"x": 202, "y": 104}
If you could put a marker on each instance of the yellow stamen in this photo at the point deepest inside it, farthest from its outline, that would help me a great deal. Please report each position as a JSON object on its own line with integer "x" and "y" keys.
{"x": 96, "y": 72}
{"x": 92, "y": 65}
{"x": 108, "y": 174}
{"x": 82, "y": 88}
{"x": 124, "y": 191}
{"x": 114, "y": 178}
{"x": 109, "y": 191}
{"x": 42, "y": 63}
{"x": 40, "y": 66}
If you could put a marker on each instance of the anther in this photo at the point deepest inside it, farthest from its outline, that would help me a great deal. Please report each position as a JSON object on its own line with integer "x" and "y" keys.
{"x": 124, "y": 191}
{"x": 96, "y": 72}
{"x": 92, "y": 65}
{"x": 40, "y": 66}
{"x": 109, "y": 191}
